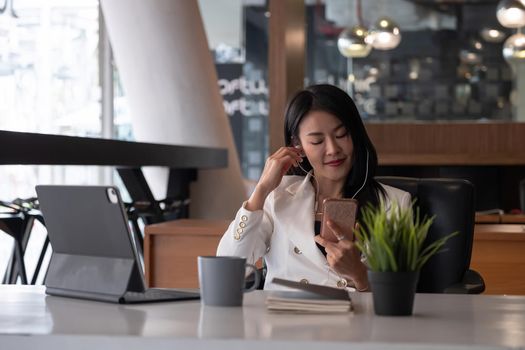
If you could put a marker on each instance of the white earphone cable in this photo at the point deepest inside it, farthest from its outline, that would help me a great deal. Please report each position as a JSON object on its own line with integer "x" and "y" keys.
{"x": 366, "y": 177}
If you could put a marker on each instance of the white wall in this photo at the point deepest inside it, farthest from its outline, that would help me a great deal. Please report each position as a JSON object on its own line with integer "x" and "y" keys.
{"x": 223, "y": 22}
{"x": 169, "y": 77}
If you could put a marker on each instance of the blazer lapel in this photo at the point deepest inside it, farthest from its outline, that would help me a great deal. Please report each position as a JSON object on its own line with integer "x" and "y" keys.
{"x": 298, "y": 219}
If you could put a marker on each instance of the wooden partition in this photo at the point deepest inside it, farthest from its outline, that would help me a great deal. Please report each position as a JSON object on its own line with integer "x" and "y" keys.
{"x": 171, "y": 250}
{"x": 286, "y": 61}
{"x": 498, "y": 254}
{"x": 435, "y": 143}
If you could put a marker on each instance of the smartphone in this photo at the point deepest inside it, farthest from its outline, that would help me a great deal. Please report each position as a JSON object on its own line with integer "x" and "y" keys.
{"x": 341, "y": 211}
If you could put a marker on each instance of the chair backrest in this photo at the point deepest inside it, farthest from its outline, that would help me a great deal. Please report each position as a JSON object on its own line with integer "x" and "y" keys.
{"x": 452, "y": 203}
{"x": 522, "y": 195}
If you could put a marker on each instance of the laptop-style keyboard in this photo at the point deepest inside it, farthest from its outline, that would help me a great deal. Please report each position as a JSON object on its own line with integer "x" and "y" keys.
{"x": 156, "y": 294}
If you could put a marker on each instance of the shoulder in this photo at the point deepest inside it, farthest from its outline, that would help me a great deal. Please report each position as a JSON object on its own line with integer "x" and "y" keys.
{"x": 290, "y": 185}
{"x": 291, "y": 179}
{"x": 289, "y": 182}
{"x": 394, "y": 194}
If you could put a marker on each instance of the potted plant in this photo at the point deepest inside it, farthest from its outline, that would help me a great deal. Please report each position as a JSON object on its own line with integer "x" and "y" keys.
{"x": 395, "y": 250}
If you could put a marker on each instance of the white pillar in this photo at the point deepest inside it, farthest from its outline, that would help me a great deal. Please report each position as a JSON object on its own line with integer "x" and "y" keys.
{"x": 168, "y": 74}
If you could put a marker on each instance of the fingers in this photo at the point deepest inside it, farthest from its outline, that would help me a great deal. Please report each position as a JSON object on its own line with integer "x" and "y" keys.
{"x": 340, "y": 254}
{"x": 277, "y": 165}
{"x": 322, "y": 241}
{"x": 295, "y": 153}
{"x": 340, "y": 248}
{"x": 338, "y": 232}
{"x": 290, "y": 159}
{"x": 333, "y": 252}
{"x": 337, "y": 248}
{"x": 286, "y": 157}
{"x": 287, "y": 150}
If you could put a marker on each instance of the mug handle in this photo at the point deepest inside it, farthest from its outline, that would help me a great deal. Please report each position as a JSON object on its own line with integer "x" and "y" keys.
{"x": 257, "y": 279}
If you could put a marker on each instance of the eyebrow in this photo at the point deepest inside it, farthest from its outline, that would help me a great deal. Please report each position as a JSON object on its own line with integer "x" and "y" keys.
{"x": 318, "y": 133}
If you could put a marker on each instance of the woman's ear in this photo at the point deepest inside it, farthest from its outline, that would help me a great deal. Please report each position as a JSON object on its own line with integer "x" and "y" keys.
{"x": 296, "y": 142}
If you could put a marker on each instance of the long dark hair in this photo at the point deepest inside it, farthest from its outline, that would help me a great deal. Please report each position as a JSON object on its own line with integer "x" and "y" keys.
{"x": 331, "y": 99}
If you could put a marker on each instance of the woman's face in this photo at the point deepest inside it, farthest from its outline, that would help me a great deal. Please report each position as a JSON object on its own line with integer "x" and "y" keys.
{"x": 327, "y": 145}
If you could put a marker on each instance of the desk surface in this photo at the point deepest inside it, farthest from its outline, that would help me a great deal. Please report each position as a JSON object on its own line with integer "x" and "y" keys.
{"x": 500, "y": 218}
{"x": 453, "y": 321}
{"x": 35, "y": 149}
{"x": 499, "y": 232}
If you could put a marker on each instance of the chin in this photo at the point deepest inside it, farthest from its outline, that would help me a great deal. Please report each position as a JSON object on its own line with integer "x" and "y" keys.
{"x": 336, "y": 175}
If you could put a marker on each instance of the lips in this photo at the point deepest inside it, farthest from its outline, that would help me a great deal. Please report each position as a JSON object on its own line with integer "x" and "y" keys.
{"x": 335, "y": 163}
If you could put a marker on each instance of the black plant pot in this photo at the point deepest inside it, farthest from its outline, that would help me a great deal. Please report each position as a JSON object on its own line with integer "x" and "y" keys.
{"x": 393, "y": 292}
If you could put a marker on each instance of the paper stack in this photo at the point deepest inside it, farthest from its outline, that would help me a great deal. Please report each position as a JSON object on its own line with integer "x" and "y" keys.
{"x": 309, "y": 298}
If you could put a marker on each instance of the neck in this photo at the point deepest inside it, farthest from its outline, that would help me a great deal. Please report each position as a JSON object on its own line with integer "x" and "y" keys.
{"x": 326, "y": 189}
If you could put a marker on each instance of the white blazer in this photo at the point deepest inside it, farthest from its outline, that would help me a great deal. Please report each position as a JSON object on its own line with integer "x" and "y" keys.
{"x": 283, "y": 233}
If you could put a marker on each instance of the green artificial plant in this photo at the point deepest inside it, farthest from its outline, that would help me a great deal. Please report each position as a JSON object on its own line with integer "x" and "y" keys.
{"x": 394, "y": 241}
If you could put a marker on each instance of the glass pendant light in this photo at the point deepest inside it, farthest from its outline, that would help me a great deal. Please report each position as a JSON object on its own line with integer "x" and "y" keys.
{"x": 492, "y": 35}
{"x": 471, "y": 52}
{"x": 352, "y": 43}
{"x": 385, "y": 34}
{"x": 511, "y": 13}
{"x": 469, "y": 57}
{"x": 514, "y": 48}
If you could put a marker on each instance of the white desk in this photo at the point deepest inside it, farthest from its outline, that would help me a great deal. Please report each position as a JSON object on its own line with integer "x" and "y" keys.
{"x": 31, "y": 320}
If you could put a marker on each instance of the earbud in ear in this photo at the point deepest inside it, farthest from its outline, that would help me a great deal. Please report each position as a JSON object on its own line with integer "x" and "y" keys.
{"x": 295, "y": 142}
{"x": 300, "y": 148}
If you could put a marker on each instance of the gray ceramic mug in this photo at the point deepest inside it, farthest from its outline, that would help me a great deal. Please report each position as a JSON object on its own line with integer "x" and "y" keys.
{"x": 222, "y": 280}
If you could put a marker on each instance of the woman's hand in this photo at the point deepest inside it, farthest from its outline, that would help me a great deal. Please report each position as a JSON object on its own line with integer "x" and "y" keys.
{"x": 277, "y": 165}
{"x": 344, "y": 257}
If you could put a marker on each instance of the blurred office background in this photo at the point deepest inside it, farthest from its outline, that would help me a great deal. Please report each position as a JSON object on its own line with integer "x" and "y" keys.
{"x": 58, "y": 75}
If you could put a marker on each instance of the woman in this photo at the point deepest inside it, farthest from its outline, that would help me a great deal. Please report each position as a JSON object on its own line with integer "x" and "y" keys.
{"x": 329, "y": 155}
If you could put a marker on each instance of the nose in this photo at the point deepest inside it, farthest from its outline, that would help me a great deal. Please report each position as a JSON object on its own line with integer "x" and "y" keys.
{"x": 332, "y": 147}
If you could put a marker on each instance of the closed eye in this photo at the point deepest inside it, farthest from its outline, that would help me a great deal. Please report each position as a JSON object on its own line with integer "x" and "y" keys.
{"x": 340, "y": 136}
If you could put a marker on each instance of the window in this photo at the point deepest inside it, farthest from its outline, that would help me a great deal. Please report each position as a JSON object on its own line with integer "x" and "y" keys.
{"x": 49, "y": 83}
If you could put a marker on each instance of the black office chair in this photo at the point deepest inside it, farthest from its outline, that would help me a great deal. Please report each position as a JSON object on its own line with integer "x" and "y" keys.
{"x": 17, "y": 219}
{"x": 451, "y": 201}
{"x": 522, "y": 196}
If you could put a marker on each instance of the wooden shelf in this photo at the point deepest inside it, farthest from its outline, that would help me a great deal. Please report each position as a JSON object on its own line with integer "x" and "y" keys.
{"x": 513, "y": 219}
{"x": 441, "y": 144}
{"x": 500, "y": 219}
{"x": 443, "y": 159}
{"x": 488, "y": 218}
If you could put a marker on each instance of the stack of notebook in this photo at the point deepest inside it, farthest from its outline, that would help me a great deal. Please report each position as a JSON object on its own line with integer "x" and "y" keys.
{"x": 309, "y": 298}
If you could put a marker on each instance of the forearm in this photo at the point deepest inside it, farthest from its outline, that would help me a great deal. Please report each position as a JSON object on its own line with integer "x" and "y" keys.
{"x": 247, "y": 235}
{"x": 257, "y": 199}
